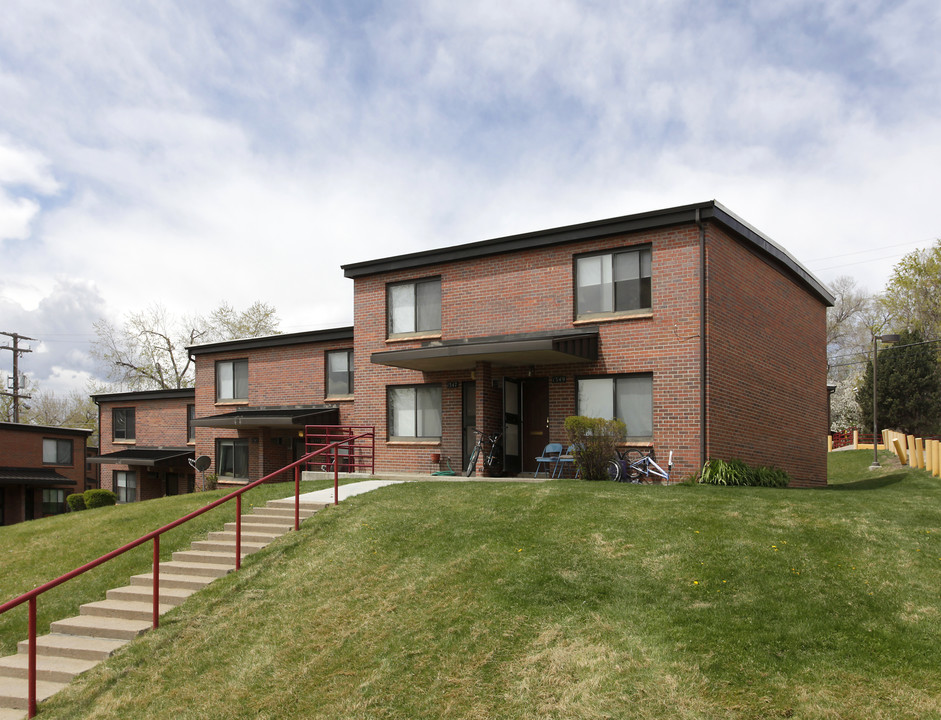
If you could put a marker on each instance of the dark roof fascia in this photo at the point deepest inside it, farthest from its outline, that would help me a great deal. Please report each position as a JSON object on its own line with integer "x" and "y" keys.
{"x": 134, "y": 395}
{"x": 264, "y": 417}
{"x": 269, "y": 341}
{"x": 33, "y": 477}
{"x": 598, "y": 229}
{"x": 45, "y": 429}
{"x": 145, "y": 457}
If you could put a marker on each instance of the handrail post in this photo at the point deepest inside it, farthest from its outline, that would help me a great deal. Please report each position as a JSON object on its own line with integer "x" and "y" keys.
{"x": 297, "y": 497}
{"x": 238, "y": 532}
{"x": 156, "y": 575}
{"x": 336, "y": 474}
{"x": 31, "y": 662}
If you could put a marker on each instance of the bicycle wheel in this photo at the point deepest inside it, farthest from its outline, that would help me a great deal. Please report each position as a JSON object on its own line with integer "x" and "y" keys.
{"x": 494, "y": 462}
{"x": 634, "y": 466}
{"x": 472, "y": 462}
{"x": 614, "y": 470}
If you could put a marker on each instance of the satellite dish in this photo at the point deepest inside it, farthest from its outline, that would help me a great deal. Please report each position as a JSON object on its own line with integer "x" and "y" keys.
{"x": 201, "y": 463}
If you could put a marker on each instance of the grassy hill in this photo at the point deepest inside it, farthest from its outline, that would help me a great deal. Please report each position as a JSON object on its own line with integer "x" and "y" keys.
{"x": 566, "y": 599}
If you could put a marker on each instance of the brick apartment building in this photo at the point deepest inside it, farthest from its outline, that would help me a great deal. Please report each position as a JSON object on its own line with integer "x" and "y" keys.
{"x": 146, "y": 441}
{"x": 39, "y": 466}
{"x": 702, "y": 334}
{"x": 254, "y": 397}
{"x": 706, "y": 337}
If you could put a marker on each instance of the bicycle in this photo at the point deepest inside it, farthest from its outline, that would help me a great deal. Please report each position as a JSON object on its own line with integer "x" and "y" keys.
{"x": 635, "y": 466}
{"x": 493, "y": 459}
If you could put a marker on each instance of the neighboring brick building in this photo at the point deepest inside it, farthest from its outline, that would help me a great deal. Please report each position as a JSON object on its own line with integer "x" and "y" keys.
{"x": 702, "y": 334}
{"x": 255, "y": 396}
{"x": 39, "y": 466}
{"x": 146, "y": 442}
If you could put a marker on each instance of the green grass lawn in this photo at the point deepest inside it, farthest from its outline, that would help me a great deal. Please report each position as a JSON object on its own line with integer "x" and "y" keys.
{"x": 566, "y": 599}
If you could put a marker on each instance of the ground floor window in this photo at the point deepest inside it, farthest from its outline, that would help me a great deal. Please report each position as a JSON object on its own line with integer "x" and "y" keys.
{"x": 414, "y": 412}
{"x": 53, "y": 501}
{"x": 125, "y": 486}
{"x": 232, "y": 458}
{"x": 628, "y": 397}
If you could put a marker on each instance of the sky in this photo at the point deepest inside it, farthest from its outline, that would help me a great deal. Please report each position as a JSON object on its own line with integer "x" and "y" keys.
{"x": 198, "y": 152}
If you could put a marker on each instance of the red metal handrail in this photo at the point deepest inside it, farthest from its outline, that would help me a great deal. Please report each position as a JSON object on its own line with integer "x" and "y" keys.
{"x": 30, "y": 597}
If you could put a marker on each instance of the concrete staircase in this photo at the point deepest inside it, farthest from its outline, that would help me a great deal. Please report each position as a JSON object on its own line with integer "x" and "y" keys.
{"x": 77, "y": 644}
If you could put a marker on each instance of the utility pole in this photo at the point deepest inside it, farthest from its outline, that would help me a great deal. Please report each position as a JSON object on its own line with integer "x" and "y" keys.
{"x": 17, "y": 351}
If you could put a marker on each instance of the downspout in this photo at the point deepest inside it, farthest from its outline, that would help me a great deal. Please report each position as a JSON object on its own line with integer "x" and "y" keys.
{"x": 702, "y": 338}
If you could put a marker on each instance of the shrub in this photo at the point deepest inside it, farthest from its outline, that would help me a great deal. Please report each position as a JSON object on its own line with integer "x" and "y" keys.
{"x": 99, "y": 498}
{"x": 735, "y": 472}
{"x": 210, "y": 481}
{"x": 75, "y": 501}
{"x": 595, "y": 441}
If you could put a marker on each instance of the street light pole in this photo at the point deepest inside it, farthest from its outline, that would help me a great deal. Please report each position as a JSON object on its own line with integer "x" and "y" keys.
{"x": 875, "y": 422}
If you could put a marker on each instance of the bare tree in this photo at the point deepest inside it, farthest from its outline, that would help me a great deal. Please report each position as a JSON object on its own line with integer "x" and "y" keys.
{"x": 148, "y": 352}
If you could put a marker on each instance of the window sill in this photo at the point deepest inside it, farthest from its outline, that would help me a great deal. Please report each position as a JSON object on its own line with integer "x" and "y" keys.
{"x": 612, "y": 317}
{"x": 339, "y": 398}
{"x": 231, "y": 402}
{"x": 406, "y": 337}
{"x": 124, "y": 442}
{"x": 413, "y": 443}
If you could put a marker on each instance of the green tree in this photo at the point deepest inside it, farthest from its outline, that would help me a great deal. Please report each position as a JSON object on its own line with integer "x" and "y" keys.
{"x": 909, "y": 387}
{"x": 913, "y": 295}
{"x": 148, "y": 352}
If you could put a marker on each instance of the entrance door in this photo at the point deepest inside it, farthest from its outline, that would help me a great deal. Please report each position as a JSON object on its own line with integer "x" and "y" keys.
{"x": 535, "y": 404}
{"x": 511, "y": 427}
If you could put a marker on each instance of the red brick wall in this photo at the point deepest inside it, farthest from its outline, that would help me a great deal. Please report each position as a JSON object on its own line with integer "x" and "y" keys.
{"x": 286, "y": 376}
{"x": 22, "y": 448}
{"x": 767, "y": 365}
{"x": 533, "y": 291}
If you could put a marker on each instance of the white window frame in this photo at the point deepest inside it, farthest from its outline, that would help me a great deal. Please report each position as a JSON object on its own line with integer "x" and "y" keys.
{"x": 331, "y": 390}
{"x": 611, "y": 276}
{"x": 235, "y": 446}
{"x": 629, "y": 398}
{"x": 52, "y": 451}
{"x": 125, "y": 485}
{"x": 232, "y": 380}
{"x": 414, "y": 412}
{"x": 405, "y": 313}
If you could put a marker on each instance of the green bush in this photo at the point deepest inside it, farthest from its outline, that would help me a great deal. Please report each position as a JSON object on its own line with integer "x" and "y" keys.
{"x": 75, "y": 501}
{"x": 99, "y": 498}
{"x": 736, "y": 472}
{"x": 595, "y": 441}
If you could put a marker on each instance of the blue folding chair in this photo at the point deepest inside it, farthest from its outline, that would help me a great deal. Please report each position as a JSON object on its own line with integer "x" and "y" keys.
{"x": 549, "y": 458}
{"x": 567, "y": 459}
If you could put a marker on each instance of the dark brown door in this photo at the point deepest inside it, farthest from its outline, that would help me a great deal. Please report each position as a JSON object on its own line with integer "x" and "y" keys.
{"x": 535, "y": 401}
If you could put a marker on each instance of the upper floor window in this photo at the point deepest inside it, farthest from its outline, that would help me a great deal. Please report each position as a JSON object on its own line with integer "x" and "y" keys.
{"x": 628, "y": 397}
{"x": 231, "y": 380}
{"x": 414, "y": 411}
{"x": 339, "y": 373}
{"x": 122, "y": 423}
{"x": 190, "y": 429}
{"x": 414, "y": 307}
{"x": 56, "y": 452}
{"x": 612, "y": 282}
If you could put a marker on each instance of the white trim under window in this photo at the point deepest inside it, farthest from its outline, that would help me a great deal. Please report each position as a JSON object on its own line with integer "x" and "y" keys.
{"x": 414, "y": 412}
{"x": 627, "y": 397}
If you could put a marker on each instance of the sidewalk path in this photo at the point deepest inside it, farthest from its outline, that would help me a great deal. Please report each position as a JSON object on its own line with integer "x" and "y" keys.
{"x": 348, "y": 490}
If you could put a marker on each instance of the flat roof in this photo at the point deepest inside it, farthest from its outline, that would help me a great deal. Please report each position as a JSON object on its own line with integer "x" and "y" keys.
{"x": 131, "y": 395}
{"x": 45, "y": 428}
{"x": 280, "y": 340}
{"x": 684, "y": 214}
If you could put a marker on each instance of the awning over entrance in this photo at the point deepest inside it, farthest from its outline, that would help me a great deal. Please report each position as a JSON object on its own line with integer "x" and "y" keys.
{"x": 549, "y": 348}
{"x": 33, "y": 477}
{"x": 289, "y": 418}
{"x": 146, "y": 457}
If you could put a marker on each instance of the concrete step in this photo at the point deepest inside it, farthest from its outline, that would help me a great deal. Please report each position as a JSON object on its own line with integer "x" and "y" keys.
{"x": 169, "y": 580}
{"x": 141, "y": 593}
{"x": 275, "y": 527}
{"x": 206, "y": 557}
{"x": 101, "y": 627}
{"x": 195, "y": 569}
{"x": 262, "y": 519}
{"x": 48, "y": 668}
{"x": 247, "y": 536}
{"x": 10, "y": 714}
{"x": 73, "y": 646}
{"x": 289, "y": 504}
{"x": 123, "y": 609}
{"x": 14, "y": 695}
{"x": 223, "y": 546}
{"x": 286, "y": 511}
